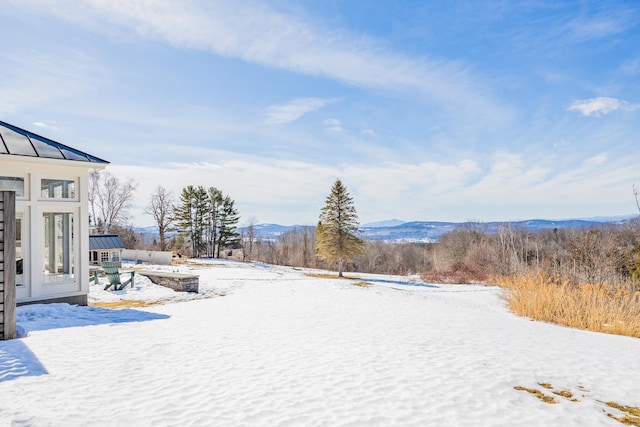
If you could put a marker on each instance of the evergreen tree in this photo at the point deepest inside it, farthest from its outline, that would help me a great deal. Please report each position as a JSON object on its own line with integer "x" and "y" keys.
{"x": 190, "y": 216}
{"x": 228, "y": 223}
{"x": 336, "y": 240}
{"x": 201, "y": 207}
{"x": 215, "y": 199}
{"x": 209, "y": 218}
{"x": 184, "y": 213}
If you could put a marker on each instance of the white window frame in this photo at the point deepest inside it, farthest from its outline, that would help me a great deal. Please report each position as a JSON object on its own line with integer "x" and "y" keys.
{"x": 55, "y": 278}
{"x": 25, "y": 182}
{"x": 75, "y": 197}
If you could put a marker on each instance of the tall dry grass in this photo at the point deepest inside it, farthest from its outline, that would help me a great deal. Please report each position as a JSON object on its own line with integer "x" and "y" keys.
{"x": 599, "y": 308}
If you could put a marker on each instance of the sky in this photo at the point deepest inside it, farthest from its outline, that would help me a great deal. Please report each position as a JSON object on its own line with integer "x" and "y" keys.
{"x": 426, "y": 110}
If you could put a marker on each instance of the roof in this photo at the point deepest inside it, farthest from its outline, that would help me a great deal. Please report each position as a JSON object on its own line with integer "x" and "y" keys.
{"x": 105, "y": 241}
{"x": 20, "y": 142}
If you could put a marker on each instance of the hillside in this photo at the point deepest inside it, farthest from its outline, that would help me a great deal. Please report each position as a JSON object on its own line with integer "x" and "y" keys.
{"x": 429, "y": 231}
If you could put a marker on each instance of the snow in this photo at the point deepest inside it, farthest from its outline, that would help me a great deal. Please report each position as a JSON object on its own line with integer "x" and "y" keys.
{"x": 273, "y": 346}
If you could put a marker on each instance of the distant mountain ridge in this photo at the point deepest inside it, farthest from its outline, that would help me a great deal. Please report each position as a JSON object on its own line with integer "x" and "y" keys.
{"x": 395, "y": 230}
{"x": 429, "y": 231}
{"x": 387, "y": 223}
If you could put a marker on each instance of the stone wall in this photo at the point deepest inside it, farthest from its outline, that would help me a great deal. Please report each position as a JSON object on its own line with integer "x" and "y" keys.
{"x": 149, "y": 257}
{"x": 7, "y": 265}
{"x": 177, "y": 281}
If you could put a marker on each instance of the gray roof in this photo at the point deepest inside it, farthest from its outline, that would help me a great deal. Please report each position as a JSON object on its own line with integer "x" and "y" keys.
{"x": 20, "y": 142}
{"x": 105, "y": 241}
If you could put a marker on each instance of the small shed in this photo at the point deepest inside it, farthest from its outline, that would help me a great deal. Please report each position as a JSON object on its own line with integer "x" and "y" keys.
{"x": 105, "y": 247}
{"x": 51, "y": 185}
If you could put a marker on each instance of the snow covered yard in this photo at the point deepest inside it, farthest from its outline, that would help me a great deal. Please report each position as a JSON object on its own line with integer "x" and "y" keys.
{"x": 272, "y": 346}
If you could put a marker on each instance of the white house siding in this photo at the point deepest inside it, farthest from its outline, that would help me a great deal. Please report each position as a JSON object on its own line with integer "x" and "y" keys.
{"x": 32, "y": 286}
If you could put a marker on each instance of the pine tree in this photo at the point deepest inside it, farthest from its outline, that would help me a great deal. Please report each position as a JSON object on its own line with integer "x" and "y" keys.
{"x": 209, "y": 218}
{"x": 190, "y": 216}
{"x": 228, "y": 218}
{"x": 336, "y": 240}
{"x": 184, "y": 214}
{"x": 201, "y": 207}
{"x": 215, "y": 199}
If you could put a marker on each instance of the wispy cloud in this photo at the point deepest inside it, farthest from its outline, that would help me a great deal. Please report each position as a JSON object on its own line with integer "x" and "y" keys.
{"x": 461, "y": 189}
{"x": 257, "y": 33}
{"x": 47, "y": 124}
{"x": 552, "y": 33}
{"x": 631, "y": 67}
{"x": 600, "y": 106}
{"x": 293, "y": 110}
{"x": 35, "y": 78}
{"x": 600, "y": 25}
{"x": 333, "y": 125}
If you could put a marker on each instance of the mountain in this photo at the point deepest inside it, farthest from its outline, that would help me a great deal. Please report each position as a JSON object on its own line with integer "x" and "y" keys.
{"x": 395, "y": 230}
{"x": 387, "y": 223}
{"x": 429, "y": 231}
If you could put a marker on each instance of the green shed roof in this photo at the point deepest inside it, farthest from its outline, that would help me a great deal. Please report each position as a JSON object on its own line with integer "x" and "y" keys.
{"x": 105, "y": 241}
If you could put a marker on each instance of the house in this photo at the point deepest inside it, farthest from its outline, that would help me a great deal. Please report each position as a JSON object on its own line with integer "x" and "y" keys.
{"x": 107, "y": 247}
{"x": 51, "y": 182}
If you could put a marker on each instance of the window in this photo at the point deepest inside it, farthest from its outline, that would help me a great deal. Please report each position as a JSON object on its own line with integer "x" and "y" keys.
{"x": 57, "y": 189}
{"x": 104, "y": 256}
{"x": 115, "y": 256}
{"x": 19, "y": 249}
{"x": 58, "y": 246}
{"x": 11, "y": 183}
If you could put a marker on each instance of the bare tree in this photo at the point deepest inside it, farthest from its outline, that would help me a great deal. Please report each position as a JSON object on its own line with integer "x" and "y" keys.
{"x": 110, "y": 200}
{"x": 249, "y": 238}
{"x": 636, "y": 194}
{"x": 161, "y": 208}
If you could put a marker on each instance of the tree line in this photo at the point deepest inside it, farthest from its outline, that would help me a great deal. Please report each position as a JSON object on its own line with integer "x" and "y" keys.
{"x": 209, "y": 218}
{"x": 202, "y": 223}
{"x": 607, "y": 253}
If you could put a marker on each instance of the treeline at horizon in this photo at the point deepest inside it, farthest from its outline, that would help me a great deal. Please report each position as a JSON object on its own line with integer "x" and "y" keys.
{"x": 604, "y": 253}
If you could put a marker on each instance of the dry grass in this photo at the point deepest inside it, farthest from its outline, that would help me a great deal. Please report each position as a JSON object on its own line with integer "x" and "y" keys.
{"x": 362, "y": 284}
{"x": 631, "y": 410}
{"x": 626, "y": 420}
{"x": 631, "y": 417}
{"x": 322, "y": 275}
{"x": 599, "y": 308}
{"x": 537, "y": 393}
{"x": 114, "y": 305}
{"x": 327, "y": 276}
{"x": 567, "y": 394}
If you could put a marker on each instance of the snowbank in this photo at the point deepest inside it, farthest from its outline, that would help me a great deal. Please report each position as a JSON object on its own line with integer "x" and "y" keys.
{"x": 271, "y": 346}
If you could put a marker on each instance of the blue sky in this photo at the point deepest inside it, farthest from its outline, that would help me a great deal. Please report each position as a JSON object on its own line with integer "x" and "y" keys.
{"x": 426, "y": 110}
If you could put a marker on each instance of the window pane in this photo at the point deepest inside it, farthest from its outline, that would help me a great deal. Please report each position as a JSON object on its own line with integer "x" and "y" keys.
{"x": 58, "y": 246}
{"x": 57, "y": 189}
{"x": 10, "y": 183}
{"x": 19, "y": 251}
